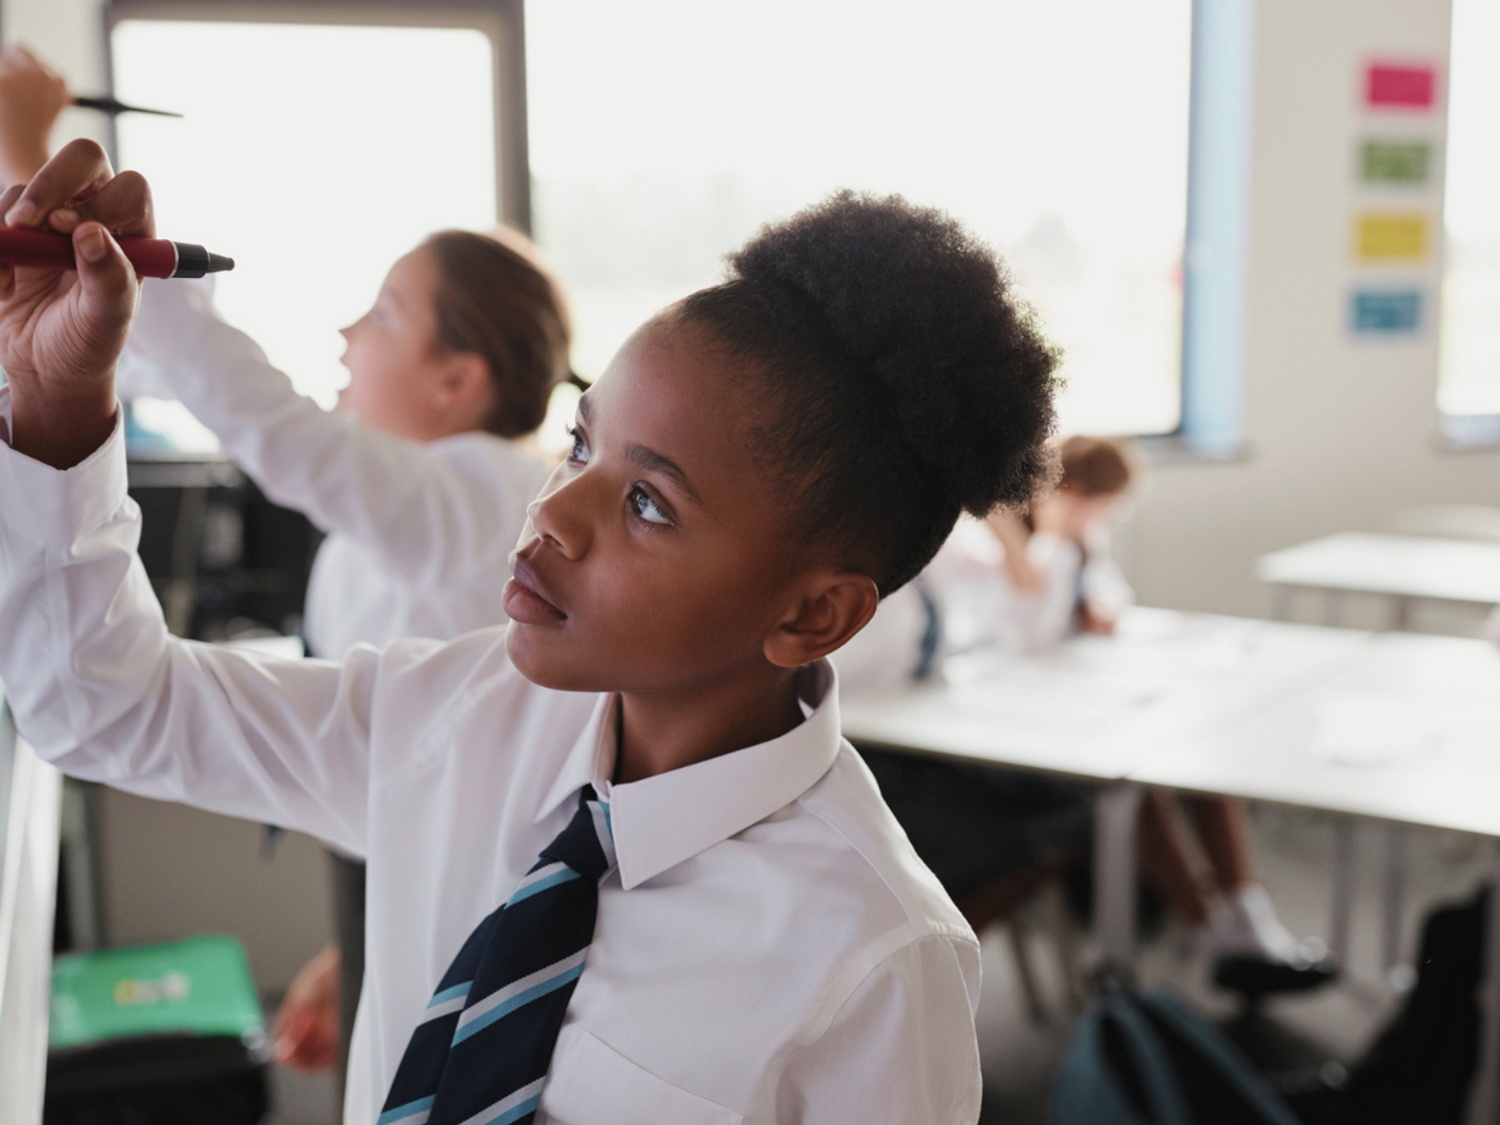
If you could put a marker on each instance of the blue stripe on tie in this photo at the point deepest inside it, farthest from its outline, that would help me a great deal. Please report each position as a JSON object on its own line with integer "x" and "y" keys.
{"x": 401, "y": 1112}
{"x": 524, "y": 892}
{"x": 450, "y": 994}
{"x": 516, "y": 1114}
{"x": 608, "y": 823}
{"x": 520, "y": 1000}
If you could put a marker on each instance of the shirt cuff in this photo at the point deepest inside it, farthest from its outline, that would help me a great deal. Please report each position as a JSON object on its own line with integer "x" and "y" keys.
{"x": 51, "y": 507}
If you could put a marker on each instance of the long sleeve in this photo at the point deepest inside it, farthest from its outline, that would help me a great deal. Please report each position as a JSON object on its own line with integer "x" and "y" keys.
{"x": 100, "y": 688}
{"x": 901, "y": 1049}
{"x": 1102, "y": 581}
{"x": 1044, "y": 618}
{"x": 429, "y": 516}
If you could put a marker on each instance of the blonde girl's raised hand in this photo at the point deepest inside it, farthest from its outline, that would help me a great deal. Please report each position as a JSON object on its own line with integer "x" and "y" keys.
{"x": 32, "y": 97}
{"x": 1008, "y": 527}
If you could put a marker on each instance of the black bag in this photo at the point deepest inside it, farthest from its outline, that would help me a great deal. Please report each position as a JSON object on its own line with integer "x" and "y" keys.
{"x": 1148, "y": 1059}
{"x": 157, "y": 1080}
{"x": 1421, "y": 1066}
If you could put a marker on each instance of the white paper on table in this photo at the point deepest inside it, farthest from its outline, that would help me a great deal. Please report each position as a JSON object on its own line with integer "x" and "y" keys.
{"x": 1367, "y": 729}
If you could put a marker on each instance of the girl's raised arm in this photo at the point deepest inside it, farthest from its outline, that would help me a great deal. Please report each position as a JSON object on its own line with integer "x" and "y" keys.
{"x": 100, "y": 688}
{"x": 421, "y": 512}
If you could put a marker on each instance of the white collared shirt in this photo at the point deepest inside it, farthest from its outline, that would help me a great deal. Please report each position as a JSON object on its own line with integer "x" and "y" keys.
{"x": 980, "y": 607}
{"x": 418, "y": 532}
{"x": 769, "y": 949}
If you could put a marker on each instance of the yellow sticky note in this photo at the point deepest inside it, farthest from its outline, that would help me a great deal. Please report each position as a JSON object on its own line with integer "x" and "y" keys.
{"x": 1391, "y": 235}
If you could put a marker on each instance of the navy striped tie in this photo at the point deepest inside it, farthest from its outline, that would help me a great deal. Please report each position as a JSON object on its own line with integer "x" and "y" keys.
{"x": 481, "y": 1053}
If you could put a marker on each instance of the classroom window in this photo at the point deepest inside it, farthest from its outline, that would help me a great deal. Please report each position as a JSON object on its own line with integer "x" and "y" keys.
{"x": 314, "y": 155}
{"x": 1469, "y": 371}
{"x": 664, "y": 132}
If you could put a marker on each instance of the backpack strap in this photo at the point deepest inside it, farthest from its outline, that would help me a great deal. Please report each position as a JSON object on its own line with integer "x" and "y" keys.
{"x": 1219, "y": 1053}
{"x": 1164, "y": 1099}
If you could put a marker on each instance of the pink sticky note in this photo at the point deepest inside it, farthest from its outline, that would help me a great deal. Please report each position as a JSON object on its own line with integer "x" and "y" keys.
{"x": 1405, "y": 87}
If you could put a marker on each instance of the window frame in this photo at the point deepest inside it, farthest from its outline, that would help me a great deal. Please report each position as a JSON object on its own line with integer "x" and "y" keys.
{"x": 501, "y": 21}
{"x": 1216, "y": 243}
{"x": 1216, "y": 234}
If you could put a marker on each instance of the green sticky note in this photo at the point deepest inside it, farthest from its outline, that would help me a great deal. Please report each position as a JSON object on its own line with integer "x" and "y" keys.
{"x": 1397, "y": 162}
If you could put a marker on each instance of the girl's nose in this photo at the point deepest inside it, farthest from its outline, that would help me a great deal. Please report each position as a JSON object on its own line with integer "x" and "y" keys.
{"x": 562, "y": 516}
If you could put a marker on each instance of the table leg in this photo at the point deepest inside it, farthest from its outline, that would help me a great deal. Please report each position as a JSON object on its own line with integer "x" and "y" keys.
{"x": 1393, "y": 896}
{"x": 1114, "y": 871}
{"x": 1343, "y": 888}
{"x": 1484, "y": 1098}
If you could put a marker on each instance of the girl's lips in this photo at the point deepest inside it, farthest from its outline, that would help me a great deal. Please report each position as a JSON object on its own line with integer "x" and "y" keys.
{"x": 524, "y": 601}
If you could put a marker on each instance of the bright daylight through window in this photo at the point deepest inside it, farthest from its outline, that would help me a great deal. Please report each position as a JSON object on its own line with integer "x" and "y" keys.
{"x": 358, "y": 143}
{"x": 1469, "y": 383}
{"x": 664, "y": 132}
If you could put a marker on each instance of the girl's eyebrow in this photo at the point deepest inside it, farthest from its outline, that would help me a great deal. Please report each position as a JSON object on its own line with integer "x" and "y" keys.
{"x": 652, "y": 461}
{"x": 649, "y": 459}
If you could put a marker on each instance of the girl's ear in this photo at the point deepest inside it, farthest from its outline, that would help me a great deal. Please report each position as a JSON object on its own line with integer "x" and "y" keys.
{"x": 465, "y": 391}
{"x": 838, "y": 605}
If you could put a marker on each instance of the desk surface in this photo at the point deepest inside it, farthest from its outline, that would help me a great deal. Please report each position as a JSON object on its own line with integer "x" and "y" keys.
{"x": 1097, "y": 706}
{"x": 1407, "y": 729}
{"x": 1395, "y": 726}
{"x": 1398, "y": 565}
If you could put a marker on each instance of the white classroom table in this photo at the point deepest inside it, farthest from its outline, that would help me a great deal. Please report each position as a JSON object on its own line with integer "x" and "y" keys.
{"x": 1407, "y": 731}
{"x": 1401, "y": 568}
{"x": 1393, "y": 726}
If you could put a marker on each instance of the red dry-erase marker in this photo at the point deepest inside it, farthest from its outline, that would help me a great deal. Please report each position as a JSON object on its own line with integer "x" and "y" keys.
{"x": 151, "y": 257}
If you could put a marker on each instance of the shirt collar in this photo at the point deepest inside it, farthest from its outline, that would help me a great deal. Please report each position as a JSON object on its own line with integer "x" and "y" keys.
{"x": 663, "y": 820}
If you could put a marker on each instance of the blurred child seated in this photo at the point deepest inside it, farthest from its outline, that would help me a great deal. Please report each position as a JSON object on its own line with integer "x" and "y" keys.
{"x": 1025, "y": 582}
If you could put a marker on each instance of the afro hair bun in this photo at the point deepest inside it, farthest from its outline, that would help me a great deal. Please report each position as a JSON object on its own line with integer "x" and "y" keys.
{"x": 927, "y": 315}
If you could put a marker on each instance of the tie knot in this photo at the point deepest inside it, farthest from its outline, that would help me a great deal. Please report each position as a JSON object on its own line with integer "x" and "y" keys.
{"x": 587, "y": 844}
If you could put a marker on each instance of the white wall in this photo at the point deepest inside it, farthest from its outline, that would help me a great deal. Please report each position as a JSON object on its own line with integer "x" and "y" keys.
{"x": 1339, "y": 433}
{"x": 170, "y": 871}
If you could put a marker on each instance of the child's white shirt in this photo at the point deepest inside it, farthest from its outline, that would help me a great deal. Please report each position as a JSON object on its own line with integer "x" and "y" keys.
{"x": 770, "y": 949}
{"x": 980, "y": 607}
{"x": 418, "y": 532}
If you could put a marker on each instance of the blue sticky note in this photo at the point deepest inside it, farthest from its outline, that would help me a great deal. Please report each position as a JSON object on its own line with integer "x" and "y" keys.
{"x": 1387, "y": 312}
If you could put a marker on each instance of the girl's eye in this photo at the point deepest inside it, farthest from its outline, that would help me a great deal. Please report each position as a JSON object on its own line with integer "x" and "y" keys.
{"x": 578, "y": 453}
{"x": 646, "y": 508}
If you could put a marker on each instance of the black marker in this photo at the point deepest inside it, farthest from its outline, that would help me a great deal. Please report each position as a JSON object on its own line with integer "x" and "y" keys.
{"x": 114, "y": 107}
